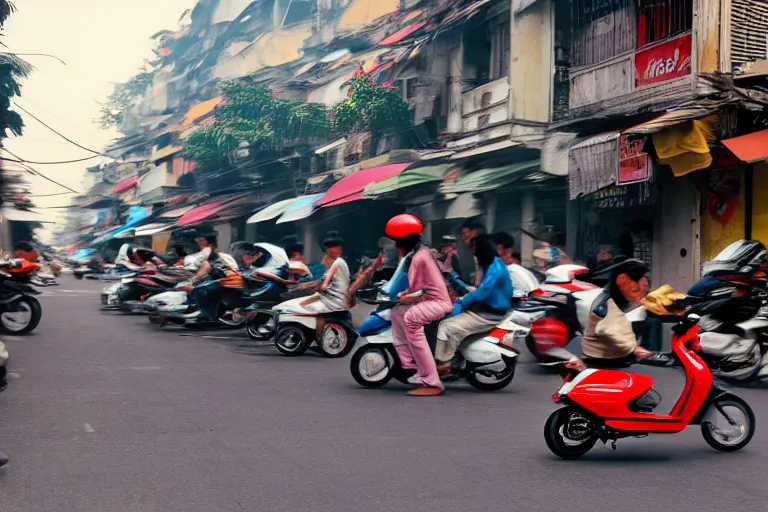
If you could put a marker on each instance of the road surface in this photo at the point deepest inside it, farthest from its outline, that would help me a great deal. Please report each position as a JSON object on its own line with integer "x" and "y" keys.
{"x": 106, "y": 413}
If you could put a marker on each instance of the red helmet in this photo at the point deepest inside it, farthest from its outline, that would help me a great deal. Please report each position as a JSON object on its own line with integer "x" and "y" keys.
{"x": 401, "y": 226}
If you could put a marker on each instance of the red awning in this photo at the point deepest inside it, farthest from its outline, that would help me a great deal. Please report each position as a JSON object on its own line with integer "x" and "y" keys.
{"x": 200, "y": 213}
{"x": 127, "y": 184}
{"x": 351, "y": 188}
{"x": 750, "y": 148}
{"x": 402, "y": 34}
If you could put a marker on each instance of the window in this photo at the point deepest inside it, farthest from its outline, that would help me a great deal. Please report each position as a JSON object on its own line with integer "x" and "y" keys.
{"x": 601, "y": 30}
{"x": 660, "y": 19}
{"x": 500, "y": 39}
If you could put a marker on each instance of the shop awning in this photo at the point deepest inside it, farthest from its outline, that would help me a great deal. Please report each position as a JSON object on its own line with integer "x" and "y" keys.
{"x": 16, "y": 215}
{"x": 301, "y": 208}
{"x": 750, "y": 148}
{"x": 333, "y": 145}
{"x": 407, "y": 178}
{"x": 127, "y": 184}
{"x": 402, "y": 34}
{"x": 334, "y": 56}
{"x": 108, "y": 235}
{"x": 202, "y": 109}
{"x": 670, "y": 119}
{"x": 166, "y": 152}
{"x": 351, "y": 188}
{"x": 200, "y": 213}
{"x": 593, "y": 164}
{"x": 488, "y": 148}
{"x": 176, "y": 212}
{"x": 271, "y": 212}
{"x": 153, "y": 229}
{"x": 490, "y": 179}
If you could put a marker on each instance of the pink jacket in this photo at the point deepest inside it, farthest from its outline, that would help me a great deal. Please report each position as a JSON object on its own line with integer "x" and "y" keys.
{"x": 425, "y": 274}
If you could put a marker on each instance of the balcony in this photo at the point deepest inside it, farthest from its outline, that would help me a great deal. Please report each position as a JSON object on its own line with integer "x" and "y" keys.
{"x": 636, "y": 78}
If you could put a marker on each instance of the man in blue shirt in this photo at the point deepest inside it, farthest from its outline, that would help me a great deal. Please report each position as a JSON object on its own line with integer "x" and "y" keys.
{"x": 480, "y": 310}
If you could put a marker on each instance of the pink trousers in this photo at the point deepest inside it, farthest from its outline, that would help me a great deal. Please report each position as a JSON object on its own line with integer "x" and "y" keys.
{"x": 408, "y": 321}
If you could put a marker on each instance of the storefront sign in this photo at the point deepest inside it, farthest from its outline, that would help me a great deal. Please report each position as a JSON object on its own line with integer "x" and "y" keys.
{"x": 664, "y": 61}
{"x": 618, "y": 197}
{"x": 634, "y": 164}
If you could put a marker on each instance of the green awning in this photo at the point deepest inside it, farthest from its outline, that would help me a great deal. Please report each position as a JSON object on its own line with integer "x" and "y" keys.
{"x": 407, "y": 178}
{"x": 491, "y": 179}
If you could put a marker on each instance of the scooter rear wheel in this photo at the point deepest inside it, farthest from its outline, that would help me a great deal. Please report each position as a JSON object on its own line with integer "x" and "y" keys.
{"x": 336, "y": 341}
{"x": 725, "y": 436}
{"x": 292, "y": 341}
{"x": 371, "y": 366}
{"x": 569, "y": 433}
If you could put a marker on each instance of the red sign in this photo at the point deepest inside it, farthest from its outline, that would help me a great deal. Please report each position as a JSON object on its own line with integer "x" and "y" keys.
{"x": 634, "y": 164}
{"x": 664, "y": 61}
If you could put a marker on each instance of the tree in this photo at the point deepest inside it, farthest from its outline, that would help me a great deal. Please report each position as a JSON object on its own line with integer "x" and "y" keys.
{"x": 373, "y": 108}
{"x": 123, "y": 98}
{"x": 12, "y": 69}
{"x": 251, "y": 115}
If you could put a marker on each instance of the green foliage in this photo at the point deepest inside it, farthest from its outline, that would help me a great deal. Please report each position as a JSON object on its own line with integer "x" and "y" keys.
{"x": 373, "y": 108}
{"x": 252, "y": 115}
{"x": 123, "y": 97}
{"x": 12, "y": 69}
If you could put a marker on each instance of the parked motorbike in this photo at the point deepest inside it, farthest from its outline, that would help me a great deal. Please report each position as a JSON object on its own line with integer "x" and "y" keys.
{"x": 730, "y": 296}
{"x": 262, "y": 288}
{"x": 20, "y": 312}
{"x": 608, "y": 405}
{"x": 488, "y": 360}
{"x": 131, "y": 292}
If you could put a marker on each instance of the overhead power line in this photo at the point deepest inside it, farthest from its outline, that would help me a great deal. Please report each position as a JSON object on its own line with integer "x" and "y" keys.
{"x": 22, "y": 161}
{"x": 38, "y": 173}
{"x": 56, "y": 132}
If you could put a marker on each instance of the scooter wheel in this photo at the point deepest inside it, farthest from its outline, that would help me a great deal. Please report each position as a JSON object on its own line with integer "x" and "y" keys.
{"x": 495, "y": 383}
{"x": 732, "y": 432}
{"x": 292, "y": 341}
{"x": 336, "y": 341}
{"x": 569, "y": 433}
{"x": 371, "y": 366}
{"x": 154, "y": 318}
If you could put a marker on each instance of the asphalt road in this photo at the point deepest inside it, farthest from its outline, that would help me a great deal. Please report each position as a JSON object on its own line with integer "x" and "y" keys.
{"x": 106, "y": 413}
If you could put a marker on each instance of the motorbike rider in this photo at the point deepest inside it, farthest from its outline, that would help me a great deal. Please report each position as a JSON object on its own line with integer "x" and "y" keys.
{"x": 217, "y": 265}
{"x": 412, "y": 314}
{"x": 523, "y": 280}
{"x": 609, "y": 339}
{"x": 480, "y": 310}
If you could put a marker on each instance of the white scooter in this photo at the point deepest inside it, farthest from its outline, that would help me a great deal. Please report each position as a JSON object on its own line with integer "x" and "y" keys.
{"x": 487, "y": 361}
{"x": 294, "y": 329}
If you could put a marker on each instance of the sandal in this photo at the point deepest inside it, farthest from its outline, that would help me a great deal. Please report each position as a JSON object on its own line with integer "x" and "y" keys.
{"x": 425, "y": 391}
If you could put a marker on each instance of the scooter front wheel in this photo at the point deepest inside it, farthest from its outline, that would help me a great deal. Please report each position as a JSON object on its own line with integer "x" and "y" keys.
{"x": 728, "y": 424}
{"x": 569, "y": 433}
{"x": 371, "y": 366}
{"x": 292, "y": 341}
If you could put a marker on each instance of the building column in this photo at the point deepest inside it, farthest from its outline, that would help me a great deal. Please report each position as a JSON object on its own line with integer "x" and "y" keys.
{"x": 311, "y": 249}
{"x": 527, "y": 221}
{"x": 491, "y": 203}
{"x": 456, "y": 64}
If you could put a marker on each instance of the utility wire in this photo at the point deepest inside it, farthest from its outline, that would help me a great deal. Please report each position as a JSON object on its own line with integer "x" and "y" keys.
{"x": 56, "y": 132}
{"x": 22, "y": 161}
{"x": 38, "y": 173}
{"x": 51, "y": 195}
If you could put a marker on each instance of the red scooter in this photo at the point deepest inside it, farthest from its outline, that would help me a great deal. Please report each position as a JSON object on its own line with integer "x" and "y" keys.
{"x": 607, "y": 405}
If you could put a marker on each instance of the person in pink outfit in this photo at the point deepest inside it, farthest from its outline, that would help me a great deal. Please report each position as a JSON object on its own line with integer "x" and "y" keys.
{"x": 414, "y": 312}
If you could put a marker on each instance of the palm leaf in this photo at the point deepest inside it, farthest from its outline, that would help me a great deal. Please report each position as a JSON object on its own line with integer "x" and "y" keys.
{"x": 17, "y": 66}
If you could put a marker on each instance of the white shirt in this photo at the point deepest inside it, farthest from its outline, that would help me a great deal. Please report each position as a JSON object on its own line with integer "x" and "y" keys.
{"x": 335, "y": 297}
{"x": 523, "y": 280}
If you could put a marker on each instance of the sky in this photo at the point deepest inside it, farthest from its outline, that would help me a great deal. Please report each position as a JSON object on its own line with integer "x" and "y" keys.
{"x": 102, "y": 42}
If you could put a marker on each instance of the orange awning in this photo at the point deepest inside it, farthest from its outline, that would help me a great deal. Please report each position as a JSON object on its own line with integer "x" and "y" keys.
{"x": 750, "y": 148}
{"x": 402, "y": 34}
{"x": 201, "y": 109}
